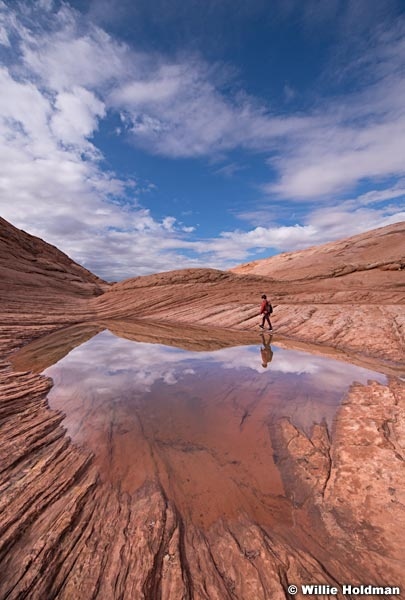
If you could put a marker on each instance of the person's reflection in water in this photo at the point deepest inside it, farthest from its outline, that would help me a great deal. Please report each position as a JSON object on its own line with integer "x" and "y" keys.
{"x": 266, "y": 351}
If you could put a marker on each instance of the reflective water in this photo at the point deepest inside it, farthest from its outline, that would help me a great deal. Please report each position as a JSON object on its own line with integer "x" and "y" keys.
{"x": 108, "y": 371}
{"x": 199, "y": 422}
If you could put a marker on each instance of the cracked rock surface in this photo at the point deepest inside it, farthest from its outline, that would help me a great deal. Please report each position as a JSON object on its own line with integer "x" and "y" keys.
{"x": 77, "y": 522}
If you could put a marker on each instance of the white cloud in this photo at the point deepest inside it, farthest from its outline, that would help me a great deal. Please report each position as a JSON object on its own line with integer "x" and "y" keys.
{"x": 237, "y": 245}
{"x": 190, "y": 116}
{"x": 339, "y": 222}
{"x": 51, "y": 181}
{"x": 321, "y": 224}
{"x": 180, "y": 110}
{"x": 46, "y": 4}
{"x": 229, "y": 169}
{"x": 331, "y": 161}
{"x": 165, "y": 85}
{"x": 67, "y": 74}
{"x": 357, "y": 136}
{"x": 24, "y": 113}
{"x": 4, "y": 39}
{"x": 375, "y": 196}
{"x": 76, "y": 116}
{"x": 70, "y": 52}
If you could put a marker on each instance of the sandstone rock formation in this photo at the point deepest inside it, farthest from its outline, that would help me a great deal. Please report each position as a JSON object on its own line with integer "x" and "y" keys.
{"x": 362, "y": 320}
{"x": 360, "y": 312}
{"x": 78, "y": 521}
{"x": 39, "y": 282}
{"x": 365, "y": 257}
{"x": 154, "y": 506}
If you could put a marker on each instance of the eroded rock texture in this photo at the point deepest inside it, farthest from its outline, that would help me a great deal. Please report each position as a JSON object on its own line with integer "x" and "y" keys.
{"x": 155, "y": 507}
{"x": 363, "y": 321}
{"x": 159, "y": 503}
{"x": 360, "y": 312}
{"x": 372, "y": 259}
{"x": 39, "y": 283}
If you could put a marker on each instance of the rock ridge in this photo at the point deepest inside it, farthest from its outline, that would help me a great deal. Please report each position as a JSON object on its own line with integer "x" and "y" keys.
{"x": 78, "y": 522}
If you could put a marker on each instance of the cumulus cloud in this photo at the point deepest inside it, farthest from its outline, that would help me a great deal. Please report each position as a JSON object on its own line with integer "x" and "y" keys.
{"x": 76, "y": 115}
{"x": 232, "y": 246}
{"x": 52, "y": 181}
{"x": 321, "y": 223}
{"x": 64, "y": 51}
{"x": 180, "y": 110}
{"x": 65, "y": 75}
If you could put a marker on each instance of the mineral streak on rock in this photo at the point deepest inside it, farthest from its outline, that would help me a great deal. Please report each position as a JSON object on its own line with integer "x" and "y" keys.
{"x": 75, "y": 522}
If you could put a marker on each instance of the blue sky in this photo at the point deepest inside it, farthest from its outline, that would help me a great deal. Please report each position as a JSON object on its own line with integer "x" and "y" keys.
{"x": 148, "y": 136}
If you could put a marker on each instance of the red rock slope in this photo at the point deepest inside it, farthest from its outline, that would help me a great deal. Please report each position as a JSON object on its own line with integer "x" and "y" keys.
{"x": 123, "y": 521}
{"x": 348, "y": 295}
{"x": 39, "y": 283}
{"x": 158, "y": 507}
{"x": 374, "y": 257}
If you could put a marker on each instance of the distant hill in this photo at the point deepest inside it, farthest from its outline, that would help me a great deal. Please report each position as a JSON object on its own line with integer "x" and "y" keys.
{"x": 376, "y": 252}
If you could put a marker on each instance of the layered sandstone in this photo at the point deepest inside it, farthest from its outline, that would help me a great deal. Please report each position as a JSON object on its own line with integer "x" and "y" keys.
{"x": 363, "y": 321}
{"x": 162, "y": 503}
{"x": 239, "y": 509}
{"x": 39, "y": 283}
{"x": 371, "y": 259}
{"x": 348, "y": 295}
{"x": 358, "y": 310}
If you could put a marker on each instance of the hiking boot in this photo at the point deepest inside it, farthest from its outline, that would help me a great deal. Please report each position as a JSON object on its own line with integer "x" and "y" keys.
{"x": 261, "y": 326}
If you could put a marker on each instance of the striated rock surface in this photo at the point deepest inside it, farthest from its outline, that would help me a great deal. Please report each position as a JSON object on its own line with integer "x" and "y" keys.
{"x": 365, "y": 321}
{"x": 39, "y": 283}
{"x": 160, "y": 501}
{"x": 316, "y": 296}
{"x": 223, "y": 497}
{"x": 361, "y": 312}
{"x": 373, "y": 259}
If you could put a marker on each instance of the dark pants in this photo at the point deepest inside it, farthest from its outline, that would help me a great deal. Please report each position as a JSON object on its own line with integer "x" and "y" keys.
{"x": 266, "y": 317}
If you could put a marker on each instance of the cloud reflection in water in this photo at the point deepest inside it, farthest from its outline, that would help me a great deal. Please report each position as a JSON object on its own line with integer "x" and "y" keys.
{"x": 108, "y": 365}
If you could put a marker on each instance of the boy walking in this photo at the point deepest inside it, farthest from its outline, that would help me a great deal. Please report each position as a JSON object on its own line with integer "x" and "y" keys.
{"x": 266, "y": 309}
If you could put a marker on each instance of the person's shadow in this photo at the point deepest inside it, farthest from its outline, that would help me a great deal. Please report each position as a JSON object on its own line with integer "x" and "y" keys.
{"x": 265, "y": 350}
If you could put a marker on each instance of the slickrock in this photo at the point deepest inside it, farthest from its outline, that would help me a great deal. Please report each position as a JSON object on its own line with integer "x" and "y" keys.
{"x": 218, "y": 499}
{"x": 364, "y": 322}
{"x": 372, "y": 259}
{"x": 39, "y": 283}
{"x": 361, "y": 312}
{"x": 43, "y": 482}
{"x": 47, "y": 350}
{"x": 162, "y": 502}
{"x": 351, "y": 480}
{"x": 39, "y": 354}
